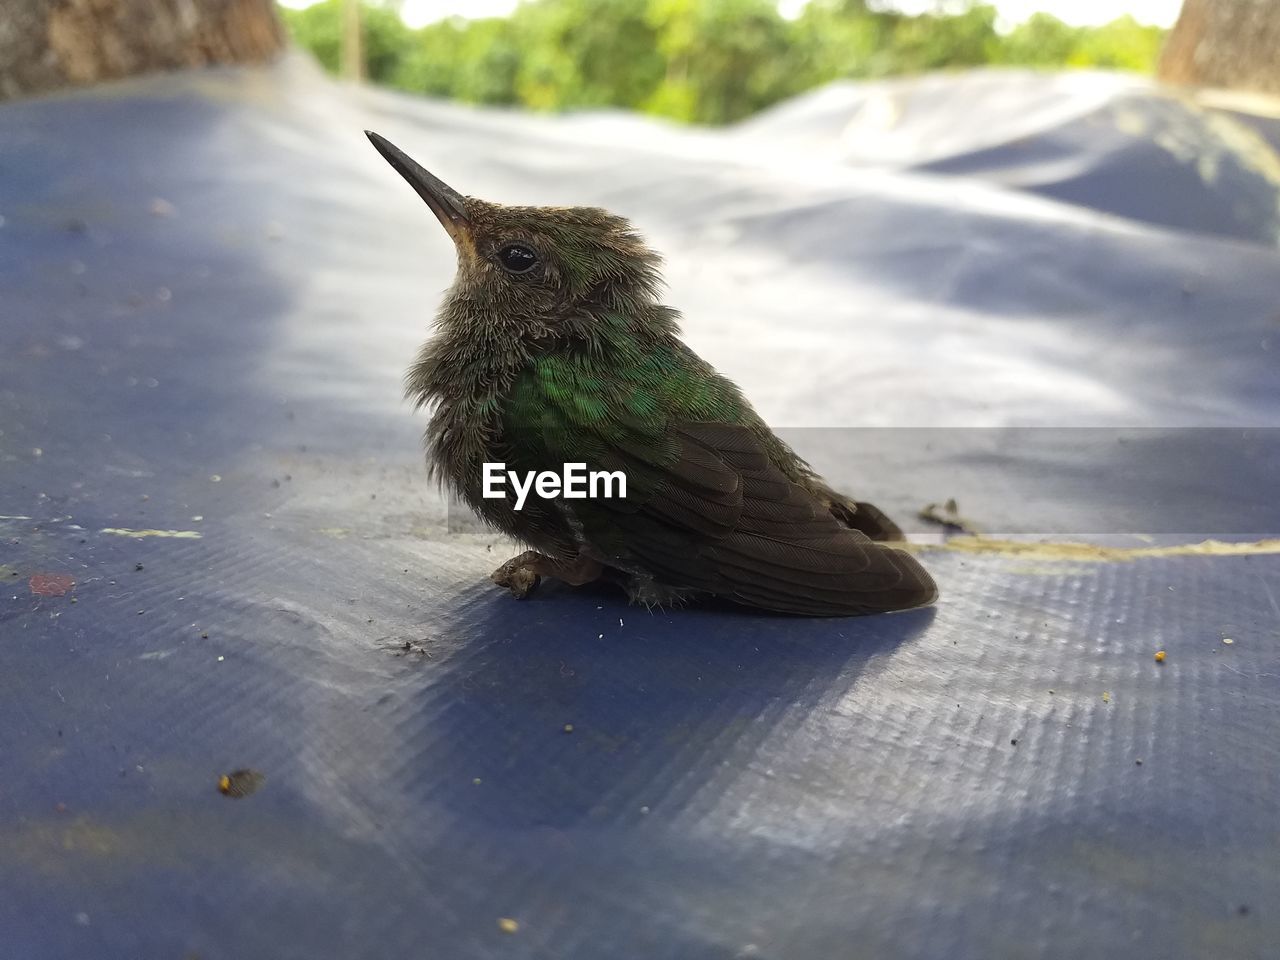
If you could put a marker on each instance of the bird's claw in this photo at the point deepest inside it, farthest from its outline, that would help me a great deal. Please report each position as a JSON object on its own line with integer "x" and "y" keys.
{"x": 519, "y": 574}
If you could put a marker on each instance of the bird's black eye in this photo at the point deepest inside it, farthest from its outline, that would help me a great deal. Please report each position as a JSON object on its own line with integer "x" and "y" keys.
{"x": 517, "y": 259}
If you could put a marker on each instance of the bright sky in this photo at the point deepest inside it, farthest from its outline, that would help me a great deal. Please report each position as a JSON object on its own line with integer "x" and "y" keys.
{"x": 1160, "y": 12}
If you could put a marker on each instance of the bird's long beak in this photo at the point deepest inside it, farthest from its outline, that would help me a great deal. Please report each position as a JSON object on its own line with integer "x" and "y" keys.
{"x": 445, "y": 202}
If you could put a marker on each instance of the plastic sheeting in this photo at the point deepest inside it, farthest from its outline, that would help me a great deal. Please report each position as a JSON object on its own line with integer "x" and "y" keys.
{"x": 220, "y": 552}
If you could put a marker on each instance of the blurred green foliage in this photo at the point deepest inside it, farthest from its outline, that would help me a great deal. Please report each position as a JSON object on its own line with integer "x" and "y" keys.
{"x": 702, "y": 61}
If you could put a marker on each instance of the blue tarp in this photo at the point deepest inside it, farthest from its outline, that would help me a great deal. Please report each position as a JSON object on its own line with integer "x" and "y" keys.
{"x": 1056, "y": 300}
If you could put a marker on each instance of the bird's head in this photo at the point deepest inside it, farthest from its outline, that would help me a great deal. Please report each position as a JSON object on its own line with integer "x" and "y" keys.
{"x": 536, "y": 272}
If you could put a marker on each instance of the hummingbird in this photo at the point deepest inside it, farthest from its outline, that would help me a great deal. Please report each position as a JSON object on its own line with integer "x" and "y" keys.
{"x": 553, "y": 347}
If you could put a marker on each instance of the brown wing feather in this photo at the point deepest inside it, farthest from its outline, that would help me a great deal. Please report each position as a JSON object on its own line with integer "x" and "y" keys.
{"x": 720, "y": 516}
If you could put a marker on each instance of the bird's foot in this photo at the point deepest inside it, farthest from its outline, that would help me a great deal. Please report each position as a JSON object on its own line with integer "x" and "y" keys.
{"x": 650, "y": 593}
{"x": 522, "y": 574}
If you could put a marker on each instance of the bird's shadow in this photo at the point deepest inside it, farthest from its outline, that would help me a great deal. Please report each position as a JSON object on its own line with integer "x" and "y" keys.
{"x": 576, "y": 707}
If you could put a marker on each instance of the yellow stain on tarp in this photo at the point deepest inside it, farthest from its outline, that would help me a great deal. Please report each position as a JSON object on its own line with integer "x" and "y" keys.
{"x": 45, "y": 841}
{"x": 172, "y": 534}
{"x": 64, "y": 845}
{"x": 1072, "y": 552}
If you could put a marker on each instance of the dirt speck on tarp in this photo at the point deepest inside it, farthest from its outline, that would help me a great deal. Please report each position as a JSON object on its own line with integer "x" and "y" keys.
{"x": 51, "y": 584}
{"x": 240, "y": 783}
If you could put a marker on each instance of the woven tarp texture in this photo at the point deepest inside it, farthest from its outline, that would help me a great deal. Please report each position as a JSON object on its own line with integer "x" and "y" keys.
{"x": 1053, "y": 299}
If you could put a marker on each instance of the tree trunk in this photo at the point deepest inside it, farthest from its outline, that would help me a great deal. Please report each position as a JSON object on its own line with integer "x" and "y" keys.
{"x": 351, "y": 59}
{"x": 48, "y": 44}
{"x": 1225, "y": 43}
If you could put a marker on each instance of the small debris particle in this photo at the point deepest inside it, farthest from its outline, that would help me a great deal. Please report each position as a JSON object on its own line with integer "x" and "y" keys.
{"x": 37, "y": 452}
{"x": 137, "y": 566}
{"x": 507, "y": 925}
{"x": 1138, "y": 762}
{"x": 220, "y": 659}
{"x": 1106, "y": 696}
{"x": 1243, "y": 909}
{"x": 161, "y": 207}
{"x": 477, "y": 781}
{"x": 644, "y": 810}
{"x": 240, "y": 783}
{"x": 82, "y": 919}
{"x": 1014, "y": 741}
{"x": 1227, "y": 640}
{"x": 214, "y": 478}
{"x": 947, "y": 515}
{"x": 204, "y": 635}
{"x": 1160, "y": 655}
{"x": 1051, "y": 693}
{"x": 50, "y": 584}
{"x": 568, "y": 728}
